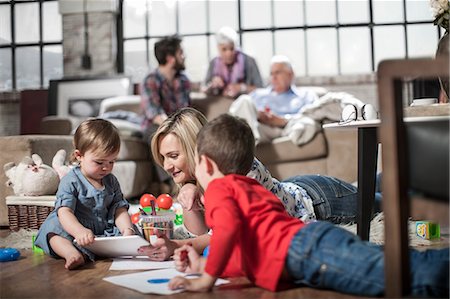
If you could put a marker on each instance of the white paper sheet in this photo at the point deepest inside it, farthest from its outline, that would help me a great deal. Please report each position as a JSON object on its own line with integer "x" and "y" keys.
{"x": 139, "y": 263}
{"x": 139, "y": 281}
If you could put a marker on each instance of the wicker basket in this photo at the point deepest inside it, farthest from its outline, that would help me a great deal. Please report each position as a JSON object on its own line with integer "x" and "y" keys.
{"x": 28, "y": 211}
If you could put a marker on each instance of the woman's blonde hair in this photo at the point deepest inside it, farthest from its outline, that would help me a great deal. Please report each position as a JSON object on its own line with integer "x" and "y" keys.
{"x": 97, "y": 135}
{"x": 185, "y": 125}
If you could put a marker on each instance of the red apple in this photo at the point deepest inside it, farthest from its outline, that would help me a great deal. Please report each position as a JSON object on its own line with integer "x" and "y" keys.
{"x": 146, "y": 199}
{"x": 164, "y": 201}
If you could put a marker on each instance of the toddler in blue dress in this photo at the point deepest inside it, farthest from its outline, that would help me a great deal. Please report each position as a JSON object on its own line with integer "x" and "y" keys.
{"x": 89, "y": 201}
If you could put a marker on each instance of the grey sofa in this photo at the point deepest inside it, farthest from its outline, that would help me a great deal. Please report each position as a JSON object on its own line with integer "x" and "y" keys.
{"x": 331, "y": 152}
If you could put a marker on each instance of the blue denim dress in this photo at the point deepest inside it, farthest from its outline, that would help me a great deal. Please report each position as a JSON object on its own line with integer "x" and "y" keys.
{"x": 95, "y": 209}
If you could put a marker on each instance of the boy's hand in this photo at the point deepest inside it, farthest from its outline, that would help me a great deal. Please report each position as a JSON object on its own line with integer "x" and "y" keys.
{"x": 84, "y": 237}
{"x": 201, "y": 284}
{"x": 187, "y": 259}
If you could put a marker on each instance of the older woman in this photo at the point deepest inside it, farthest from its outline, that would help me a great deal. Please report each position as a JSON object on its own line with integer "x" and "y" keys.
{"x": 231, "y": 73}
{"x": 173, "y": 148}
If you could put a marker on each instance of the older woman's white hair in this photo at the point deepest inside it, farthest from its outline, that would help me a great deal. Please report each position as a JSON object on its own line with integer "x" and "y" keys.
{"x": 281, "y": 59}
{"x": 227, "y": 35}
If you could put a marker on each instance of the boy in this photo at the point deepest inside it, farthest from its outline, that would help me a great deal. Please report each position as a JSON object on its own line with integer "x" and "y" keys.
{"x": 255, "y": 237}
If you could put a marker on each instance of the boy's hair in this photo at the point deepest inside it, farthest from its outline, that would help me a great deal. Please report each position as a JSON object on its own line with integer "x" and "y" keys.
{"x": 97, "y": 135}
{"x": 166, "y": 46}
{"x": 229, "y": 142}
{"x": 185, "y": 125}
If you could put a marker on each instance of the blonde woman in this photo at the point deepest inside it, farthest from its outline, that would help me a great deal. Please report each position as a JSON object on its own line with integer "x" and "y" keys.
{"x": 173, "y": 148}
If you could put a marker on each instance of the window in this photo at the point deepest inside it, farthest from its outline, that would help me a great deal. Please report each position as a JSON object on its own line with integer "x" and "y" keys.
{"x": 327, "y": 37}
{"x": 351, "y": 35}
{"x": 30, "y": 44}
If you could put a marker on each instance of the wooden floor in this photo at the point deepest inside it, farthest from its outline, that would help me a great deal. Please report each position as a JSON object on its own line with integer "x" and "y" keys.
{"x": 40, "y": 276}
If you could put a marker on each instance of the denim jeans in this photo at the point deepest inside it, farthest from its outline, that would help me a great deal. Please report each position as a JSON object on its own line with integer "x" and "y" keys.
{"x": 334, "y": 200}
{"x": 322, "y": 255}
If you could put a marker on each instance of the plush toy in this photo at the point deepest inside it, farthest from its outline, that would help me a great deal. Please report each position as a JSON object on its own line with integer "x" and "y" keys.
{"x": 31, "y": 177}
{"x": 58, "y": 163}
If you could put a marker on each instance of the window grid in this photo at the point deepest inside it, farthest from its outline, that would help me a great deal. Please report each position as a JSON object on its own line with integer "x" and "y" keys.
{"x": 13, "y": 46}
{"x": 370, "y": 24}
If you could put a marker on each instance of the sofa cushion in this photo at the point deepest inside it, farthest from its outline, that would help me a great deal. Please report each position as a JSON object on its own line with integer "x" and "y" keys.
{"x": 283, "y": 150}
{"x": 133, "y": 148}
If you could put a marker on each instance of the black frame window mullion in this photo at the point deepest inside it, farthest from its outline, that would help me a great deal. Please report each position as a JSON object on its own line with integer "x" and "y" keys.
{"x": 41, "y": 45}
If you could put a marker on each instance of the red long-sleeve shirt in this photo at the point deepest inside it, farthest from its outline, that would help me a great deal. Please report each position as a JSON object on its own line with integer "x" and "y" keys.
{"x": 251, "y": 231}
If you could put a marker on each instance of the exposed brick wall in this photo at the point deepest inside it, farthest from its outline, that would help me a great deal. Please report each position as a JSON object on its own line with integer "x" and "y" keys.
{"x": 102, "y": 44}
{"x": 363, "y": 87}
{"x": 9, "y": 113}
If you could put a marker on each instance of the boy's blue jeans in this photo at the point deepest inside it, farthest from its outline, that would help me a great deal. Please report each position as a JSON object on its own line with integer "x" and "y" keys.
{"x": 333, "y": 199}
{"x": 322, "y": 255}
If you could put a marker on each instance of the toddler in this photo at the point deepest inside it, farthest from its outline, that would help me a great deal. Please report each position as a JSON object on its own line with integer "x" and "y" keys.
{"x": 255, "y": 237}
{"x": 89, "y": 201}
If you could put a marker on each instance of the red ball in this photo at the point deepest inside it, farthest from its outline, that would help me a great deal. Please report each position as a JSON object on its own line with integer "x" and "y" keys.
{"x": 164, "y": 201}
{"x": 146, "y": 200}
{"x": 135, "y": 218}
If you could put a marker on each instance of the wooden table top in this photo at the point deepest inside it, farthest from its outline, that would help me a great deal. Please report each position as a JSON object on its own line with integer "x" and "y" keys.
{"x": 40, "y": 276}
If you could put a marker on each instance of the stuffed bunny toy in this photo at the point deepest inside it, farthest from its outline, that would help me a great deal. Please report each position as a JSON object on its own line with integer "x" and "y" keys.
{"x": 31, "y": 177}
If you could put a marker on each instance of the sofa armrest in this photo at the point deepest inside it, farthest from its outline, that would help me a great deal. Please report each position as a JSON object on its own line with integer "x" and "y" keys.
{"x": 210, "y": 106}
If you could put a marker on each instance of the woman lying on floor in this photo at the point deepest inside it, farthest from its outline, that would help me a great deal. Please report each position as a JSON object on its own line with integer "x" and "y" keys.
{"x": 308, "y": 197}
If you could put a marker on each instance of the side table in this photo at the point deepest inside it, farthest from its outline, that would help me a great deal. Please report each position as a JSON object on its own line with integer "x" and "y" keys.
{"x": 367, "y": 167}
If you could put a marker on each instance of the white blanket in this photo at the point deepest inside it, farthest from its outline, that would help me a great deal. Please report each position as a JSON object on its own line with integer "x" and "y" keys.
{"x": 303, "y": 127}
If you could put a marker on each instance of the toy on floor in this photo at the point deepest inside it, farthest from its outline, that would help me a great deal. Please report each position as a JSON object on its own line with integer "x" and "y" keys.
{"x": 9, "y": 254}
{"x": 428, "y": 230}
{"x": 154, "y": 214}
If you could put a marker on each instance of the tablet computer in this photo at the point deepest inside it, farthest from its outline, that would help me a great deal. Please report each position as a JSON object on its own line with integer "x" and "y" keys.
{"x": 117, "y": 246}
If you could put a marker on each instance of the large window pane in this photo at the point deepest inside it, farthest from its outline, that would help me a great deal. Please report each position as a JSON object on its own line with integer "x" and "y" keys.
{"x": 192, "y": 16}
{"x": 256, "y": 14}
{"x": 355, "y": 50}
{"x": 422, "y": 40}
{"x": 259, "y": 46}
{"x": 388, "y": 35}
{"x": 321, "y": 12}
{"x": 196, "y": 57}
{"x": 288, "y": 13}
{"x": 53, "y": 63}
{"x": 163, "y": 18}
{"x": 387, "y": 11}
{"x": 353, "y": 11}
{"x": 418, "y": 10}
{"x": 222, "y": 13}
{"x": 134, "y": 17}
{"x": 5, "y": 24}
{"x": 291, "y": 43}
{"x": 135, "y": 60}
{"x": 51, "y": 21}
{"x": 27, "y": 67}
{"x": 5, "y": 66}
{"x": 26, "y": 22}
{"x": 322, "y": 52}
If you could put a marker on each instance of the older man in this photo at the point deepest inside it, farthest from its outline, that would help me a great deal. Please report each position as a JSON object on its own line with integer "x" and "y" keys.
{"x": 268, "y": 110}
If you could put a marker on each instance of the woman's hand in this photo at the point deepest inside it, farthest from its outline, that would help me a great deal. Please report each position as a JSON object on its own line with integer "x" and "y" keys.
{"x": 217, "y": 82}
{"x": 161, "y": 250}
{"x": 84, "y": 236}
{"x": 232, "y": 90}
{"x": 187, "y": 259}
{"x": 187, "y": 196}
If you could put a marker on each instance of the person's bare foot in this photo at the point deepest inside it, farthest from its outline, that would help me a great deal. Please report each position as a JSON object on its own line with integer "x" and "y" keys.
{"x": 74, "y": 261}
